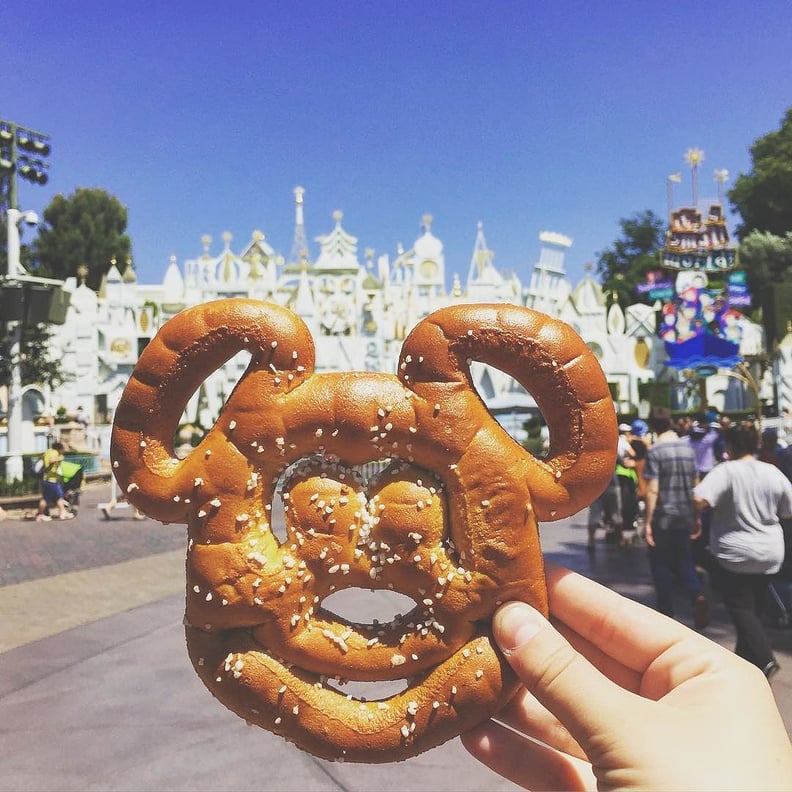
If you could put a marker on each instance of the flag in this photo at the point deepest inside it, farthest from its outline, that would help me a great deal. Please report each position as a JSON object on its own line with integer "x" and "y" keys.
{"x": 675, "y": 177}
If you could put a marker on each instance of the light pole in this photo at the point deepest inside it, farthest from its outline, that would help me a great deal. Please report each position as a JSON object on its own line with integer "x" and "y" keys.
{"x": 25, "y": 300}
{"x": 14, "y": 467}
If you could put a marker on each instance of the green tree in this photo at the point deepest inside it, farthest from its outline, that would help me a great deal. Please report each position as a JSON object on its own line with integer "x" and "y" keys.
{"x": 763, "y": 197}
{"x": 624, "y": 265}
{"x": 766, "y": 259}
{"x": 37, "y": 366}
{"x": 87, "y": 227}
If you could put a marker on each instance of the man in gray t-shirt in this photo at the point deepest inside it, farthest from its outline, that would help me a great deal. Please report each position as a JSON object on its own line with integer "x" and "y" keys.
{"x": 748, "y": 498}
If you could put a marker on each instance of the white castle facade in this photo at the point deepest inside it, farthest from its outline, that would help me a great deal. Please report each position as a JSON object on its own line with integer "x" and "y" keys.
{"x": 359, "y": 311}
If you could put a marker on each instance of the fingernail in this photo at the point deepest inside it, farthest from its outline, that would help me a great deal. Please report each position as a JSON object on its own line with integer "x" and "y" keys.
{"x": 514, "y": 625}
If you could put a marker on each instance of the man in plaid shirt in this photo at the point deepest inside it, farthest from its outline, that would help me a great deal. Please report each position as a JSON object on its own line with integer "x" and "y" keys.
{"x": 671, "y": 519}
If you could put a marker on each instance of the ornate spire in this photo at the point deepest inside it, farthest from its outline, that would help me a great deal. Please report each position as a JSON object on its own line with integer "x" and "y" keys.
{"x": 129, "y": 273}
{"x": 299, "y": 248}
{"x": 482, "y": 255}
{"x": 338, "y": 248}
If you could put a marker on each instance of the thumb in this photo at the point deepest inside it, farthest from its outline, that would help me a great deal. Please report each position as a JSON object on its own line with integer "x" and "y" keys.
{"x": 586, "y": 702}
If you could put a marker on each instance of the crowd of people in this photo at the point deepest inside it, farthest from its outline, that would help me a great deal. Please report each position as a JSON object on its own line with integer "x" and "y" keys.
{"x": 712, "y": 499}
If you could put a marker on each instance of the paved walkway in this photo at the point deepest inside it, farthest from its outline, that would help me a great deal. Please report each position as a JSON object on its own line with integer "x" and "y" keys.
{"x": 96, "y": 691}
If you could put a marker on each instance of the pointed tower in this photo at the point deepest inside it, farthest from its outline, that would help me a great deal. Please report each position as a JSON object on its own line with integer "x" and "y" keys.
{"x": 299, "y": 248}
{"x": 429, "y": 260}
{"x": 480, "y": 257}
{"x": 484, "y": 281}
{"x": 304, "y": 305}
{"x": 549, "y": 285}
{"x": 173, "y": 282}
{"x": 113, "y": 284}
{"x": 338, "y": 250}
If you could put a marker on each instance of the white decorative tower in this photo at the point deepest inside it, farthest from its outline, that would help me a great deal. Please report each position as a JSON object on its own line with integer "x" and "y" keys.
{"x": 429, "y": 258}
{"x": 338, "y": 277}
{"x": 299, "y": 248}
{"x": 549, "y": 285}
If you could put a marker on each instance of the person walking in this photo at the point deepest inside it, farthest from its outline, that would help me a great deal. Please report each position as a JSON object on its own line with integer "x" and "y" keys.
{"x": 671, "y": 519}
{"x": 640, "y": 442}
{"x": 748, "y": 498}
{"x": 702, "y": 440}
{"x": 627, "y": 477}
{"x": 52, "y": 494}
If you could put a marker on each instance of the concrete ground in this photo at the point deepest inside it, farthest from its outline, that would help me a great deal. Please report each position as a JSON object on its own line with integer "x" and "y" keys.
{"x": 96, "y": 691}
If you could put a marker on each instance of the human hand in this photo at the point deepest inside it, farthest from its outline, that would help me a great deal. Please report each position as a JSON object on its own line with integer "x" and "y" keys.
{"x": 622, "y": 696}
{"x": 696, "y": 532}
{"x": 648, "y": 535}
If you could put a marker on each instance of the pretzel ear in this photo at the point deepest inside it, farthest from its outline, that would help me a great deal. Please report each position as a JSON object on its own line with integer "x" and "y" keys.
{"x": 188, "y": 348}
{"x": 553, "y": 364}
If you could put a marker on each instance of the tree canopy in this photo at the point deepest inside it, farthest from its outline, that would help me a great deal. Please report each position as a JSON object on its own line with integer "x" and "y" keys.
{"x": 763, "y": 197}
{"x": 37, "y": 366}
{"x": 767, "y": 259}
{"x": 87, "y": 227}
{"x": 624, "y": 265}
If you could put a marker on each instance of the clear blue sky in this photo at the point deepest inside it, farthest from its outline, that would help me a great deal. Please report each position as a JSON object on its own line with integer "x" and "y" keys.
{"x": 202, "y": 116}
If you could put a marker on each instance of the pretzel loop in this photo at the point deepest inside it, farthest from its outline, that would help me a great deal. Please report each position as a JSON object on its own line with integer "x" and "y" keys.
{"x": 188, "y": 348}
{"x": 551, "y": 362}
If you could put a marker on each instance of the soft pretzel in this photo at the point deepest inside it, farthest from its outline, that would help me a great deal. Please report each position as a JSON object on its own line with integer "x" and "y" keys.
{"x": 451, "y": 522}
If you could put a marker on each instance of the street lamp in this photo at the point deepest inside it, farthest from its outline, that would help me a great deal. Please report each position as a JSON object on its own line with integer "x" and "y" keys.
{"x": 22, "y": 153}
{"x": 24, "y": 299}
{"x": 14, "y": 467}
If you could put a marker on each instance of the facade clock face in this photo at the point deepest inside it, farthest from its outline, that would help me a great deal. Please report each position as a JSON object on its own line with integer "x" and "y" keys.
{"x": 336, "y": 316}
{"x": 429, "y": 270}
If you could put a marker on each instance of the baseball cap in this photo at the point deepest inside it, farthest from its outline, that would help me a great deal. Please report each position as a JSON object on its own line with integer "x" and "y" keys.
{"x": 639, "y": 428}
{"x": 624, "y": 427}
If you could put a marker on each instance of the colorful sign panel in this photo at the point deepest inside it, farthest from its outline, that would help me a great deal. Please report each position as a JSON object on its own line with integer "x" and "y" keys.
{"x": 738, "y": 290}
{"x": 657, "y": 286}
{"x": 696, "y": 311}
{"x": 708, "y": 261}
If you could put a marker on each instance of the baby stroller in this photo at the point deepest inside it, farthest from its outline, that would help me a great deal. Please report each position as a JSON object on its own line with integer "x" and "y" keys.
{"x": 72, "y": 475}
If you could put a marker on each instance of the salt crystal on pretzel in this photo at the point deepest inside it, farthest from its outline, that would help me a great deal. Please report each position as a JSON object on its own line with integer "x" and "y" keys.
{"x": 471, "y": 544}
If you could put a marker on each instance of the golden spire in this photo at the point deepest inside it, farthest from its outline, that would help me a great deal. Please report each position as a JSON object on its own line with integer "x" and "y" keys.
{"x": 694, "y": 157}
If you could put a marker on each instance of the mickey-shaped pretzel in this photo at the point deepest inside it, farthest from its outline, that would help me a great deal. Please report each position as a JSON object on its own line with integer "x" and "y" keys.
{"x": 451, "y": 522}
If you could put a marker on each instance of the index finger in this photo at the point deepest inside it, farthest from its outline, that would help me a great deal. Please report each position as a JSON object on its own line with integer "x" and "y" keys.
{"x": 619, "y": 627}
